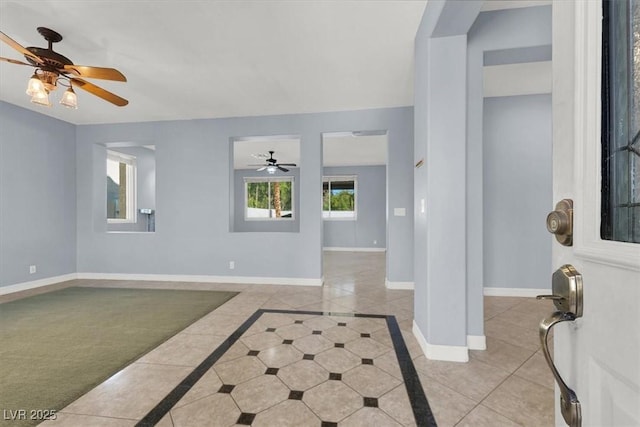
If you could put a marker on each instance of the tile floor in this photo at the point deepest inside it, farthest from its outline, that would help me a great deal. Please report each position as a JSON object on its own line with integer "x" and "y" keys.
{"x": 305, "y": 369}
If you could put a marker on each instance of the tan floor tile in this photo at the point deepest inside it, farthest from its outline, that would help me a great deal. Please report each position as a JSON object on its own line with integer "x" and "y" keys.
{"x": 183, "y": 350}
{"x": 412, "y": 344}
{"x": 279, "y": 356}
{"x": 383, "y": 337}
{"x": 259, "y": 393}
{"x": 273, "y": 320}
{"x": 217, "y": 410}
{"x": 131, "y": 393}
{"x": 367, "y": 325}
{"x": 312, "y": 344}
{"x": 366, "y": 348}
{"x": 239, "y": 370}
{"x": 332, "y": 401}
{"x": 165, "y": 421}
{"x": 396, "y": 403}
{"x": 299, "y": 299}
{"x": 290, "y": 413}
{"x": 326, "y": 307}
{"x": 502, "y": 354}
{"x": 291, "y": 332}
{"x": 473, "y": 379}
{"x": 238, "y": 349}
{"x": 320, "y": 323}
{"x": 369, "y": 417}
{"x": 536, "y": 370}
{"x": 369, "y": 380}
{"x": 481, "y": 416}
{"x": 388, "y": 362}
{"x": 75, "y": 420}
{"x": 447, "y": 405}
{"x": 524, "y": 402}
{"x": 218, "y": 324}
{"x": 262, "y": 341}
{"x": 337, "y": 360}
{"x": 516, "y": 335}
{"x": 340, "y": 334}
{"x": 207, "y": 385}
{"x": 303, "y": 375}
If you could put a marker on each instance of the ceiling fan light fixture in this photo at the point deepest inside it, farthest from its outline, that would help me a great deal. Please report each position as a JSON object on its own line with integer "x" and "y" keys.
{"x": 41, "y": 98}
{"x": 35, "y": 85}
{"x": 271, "y": 169}
{"x": 69, "y": 99}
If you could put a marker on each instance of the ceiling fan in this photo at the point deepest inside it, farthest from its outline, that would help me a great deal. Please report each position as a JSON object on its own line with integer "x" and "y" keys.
{"x": 272, "y": 164}
{"x": 52, "y": 68}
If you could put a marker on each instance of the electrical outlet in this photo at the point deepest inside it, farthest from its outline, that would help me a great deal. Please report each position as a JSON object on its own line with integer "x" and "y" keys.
{"x": 32, "y": 269}
{"x": 232, "y": 265}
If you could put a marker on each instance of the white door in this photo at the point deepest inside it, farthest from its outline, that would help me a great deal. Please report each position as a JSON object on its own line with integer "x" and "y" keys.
{"x": 598, "y": 355}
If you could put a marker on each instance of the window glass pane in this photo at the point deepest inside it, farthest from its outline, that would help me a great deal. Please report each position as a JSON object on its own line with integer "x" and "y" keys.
{"x": 269, "y": 199}
{"x": 621, "y": 121}
{"x": 339, "y": 198}
{"x": 116, "y": 189}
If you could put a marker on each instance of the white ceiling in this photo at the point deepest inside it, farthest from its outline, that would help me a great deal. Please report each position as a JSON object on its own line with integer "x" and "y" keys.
{"x": 490, "y": 5}
{"x": 286, "y": 150}
{"x": 207, "y": 59}
{"x": 349, "y": 150}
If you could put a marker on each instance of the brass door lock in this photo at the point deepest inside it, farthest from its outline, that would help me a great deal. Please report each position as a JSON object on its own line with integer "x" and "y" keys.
{"x": 560, "y": 222}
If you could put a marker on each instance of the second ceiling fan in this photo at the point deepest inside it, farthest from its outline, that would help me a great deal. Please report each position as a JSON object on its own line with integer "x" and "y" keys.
{"x": 272, "y": 165}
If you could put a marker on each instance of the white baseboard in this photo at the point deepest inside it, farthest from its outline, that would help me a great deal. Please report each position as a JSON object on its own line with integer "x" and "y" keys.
{"x": 514, "y": 292}
{"x": 449, "y": 353}
{"x": 399, "y": 285}
{"x": 4, "y": 290}
{"x": 477, "y": 342}
{"x": 204, "y": 279}
{"x": 340, "y": 249}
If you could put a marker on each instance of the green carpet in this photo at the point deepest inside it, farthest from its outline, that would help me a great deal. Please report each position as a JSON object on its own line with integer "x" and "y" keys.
{"x": 57, "y": 346}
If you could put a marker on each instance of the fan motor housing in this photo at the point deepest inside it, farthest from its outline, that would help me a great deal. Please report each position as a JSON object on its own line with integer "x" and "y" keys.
{"x": 51, "y": 59}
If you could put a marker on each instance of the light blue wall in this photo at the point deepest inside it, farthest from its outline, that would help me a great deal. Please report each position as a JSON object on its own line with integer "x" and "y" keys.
{"x": 37, "y": 196}
{"x": 448, "y": 250}
{"x": 517, "y": 191}
{"x": 286, "y": 225}
{"x": 370, "y": 225}
{"x": 192, "y": 198}
{"x": 499, "y": 30}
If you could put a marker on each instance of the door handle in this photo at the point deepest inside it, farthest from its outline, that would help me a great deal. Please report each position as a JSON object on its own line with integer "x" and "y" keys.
{"x": 567, "y": 297}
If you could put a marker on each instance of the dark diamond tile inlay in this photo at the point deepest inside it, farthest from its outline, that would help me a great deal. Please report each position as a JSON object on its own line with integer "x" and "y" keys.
{"x": 287, "y": 342}
{"x": 308, "y": 357}
{"x": 365, "y": 335}
{"x": 226, "y": 388}
{"x": 296, "y": 395}
{"x": 367, "y": 361}
{"x": 246, "y": 418}
{"x": 335, "y": 376}
{"x": 328, "y": 424}
{"x": 299, "y": 322}
{"x": 342, "y": 324}
{"x": 371, "y": 402}
{"x": 317, "y": 332}
{"x": 253, "y": 353}
{"x": 271, "y": 329}
{"x": 271, "y": 371}
{"x": 339, "y": 345}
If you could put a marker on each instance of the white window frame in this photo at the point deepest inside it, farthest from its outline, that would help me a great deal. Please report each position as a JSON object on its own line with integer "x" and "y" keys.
{"x": 130, "y": 161}
{"x": 248, "y": 180}
{"x": 329, "y": 179}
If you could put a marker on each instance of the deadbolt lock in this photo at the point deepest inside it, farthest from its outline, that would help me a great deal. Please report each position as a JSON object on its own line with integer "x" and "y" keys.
{"x": 560, "y": 222}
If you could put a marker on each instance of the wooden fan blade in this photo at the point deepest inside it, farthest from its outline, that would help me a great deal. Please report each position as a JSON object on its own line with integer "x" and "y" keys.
{"x": 96, "y": 72}
{"x": 14, "y": 61}
{"x": 99, "y": 92}
{"x": 17, "y": 46}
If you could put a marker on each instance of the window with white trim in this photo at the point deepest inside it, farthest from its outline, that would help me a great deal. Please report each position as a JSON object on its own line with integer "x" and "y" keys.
{"x": 339, "y": 197}
{"x": 121, "y": 187}
{"x": 269, "y": 199}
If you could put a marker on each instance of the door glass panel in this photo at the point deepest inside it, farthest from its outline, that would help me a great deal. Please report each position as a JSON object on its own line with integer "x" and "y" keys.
{"x": 621, "y": 121}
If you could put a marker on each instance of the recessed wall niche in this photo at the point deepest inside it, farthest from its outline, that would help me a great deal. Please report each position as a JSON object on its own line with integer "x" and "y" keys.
{"x": 265, "y": 184}
{"x": 130, "y": 187}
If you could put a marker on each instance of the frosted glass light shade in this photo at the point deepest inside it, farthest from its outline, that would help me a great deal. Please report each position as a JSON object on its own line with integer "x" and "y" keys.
{"x": 41, "y": 98}
{"x": 35, "y": 85}
{"x": 69, "y": 99}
